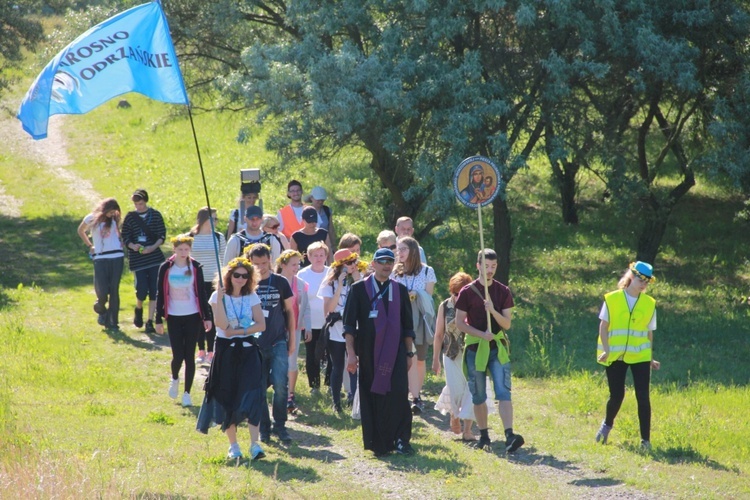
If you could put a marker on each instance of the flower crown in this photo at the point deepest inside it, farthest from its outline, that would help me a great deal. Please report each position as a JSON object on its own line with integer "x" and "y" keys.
{"x": 239, "y": 261}
{"x": 352, "y": 257}
{"x": 182, "y": 238}
{"x": 362, "y": 266}
{"x": 287, "y": 255}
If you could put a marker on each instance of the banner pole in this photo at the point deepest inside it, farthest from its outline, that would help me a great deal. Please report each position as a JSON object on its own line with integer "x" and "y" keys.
{"x": 482, "y": 272}
{"x": 205, "y": 191}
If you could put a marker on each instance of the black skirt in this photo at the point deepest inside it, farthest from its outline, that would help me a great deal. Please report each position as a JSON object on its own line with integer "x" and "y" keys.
{"x": 234, "y": 387}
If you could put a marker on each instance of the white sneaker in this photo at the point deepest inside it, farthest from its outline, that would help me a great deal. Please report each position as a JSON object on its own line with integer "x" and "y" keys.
{"x": 186, "y": 401}
{"x": 173, "y": 387}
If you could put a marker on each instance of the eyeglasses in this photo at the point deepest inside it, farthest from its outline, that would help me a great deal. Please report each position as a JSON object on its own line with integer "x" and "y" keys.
{"x": 384, "y": 261}
{"x": 241, "y": 276}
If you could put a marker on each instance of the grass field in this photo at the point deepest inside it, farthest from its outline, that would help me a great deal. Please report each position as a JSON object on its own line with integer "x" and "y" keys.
{"x": 84, "y": 413}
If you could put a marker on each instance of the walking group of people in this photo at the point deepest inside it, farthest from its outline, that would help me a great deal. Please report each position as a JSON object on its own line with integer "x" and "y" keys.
{"x": 282, "y": 284}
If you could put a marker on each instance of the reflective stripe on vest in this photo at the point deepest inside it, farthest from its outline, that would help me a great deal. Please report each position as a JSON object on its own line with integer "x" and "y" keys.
{"x": 289, "y": 219}
{"x": 628, "y": 330}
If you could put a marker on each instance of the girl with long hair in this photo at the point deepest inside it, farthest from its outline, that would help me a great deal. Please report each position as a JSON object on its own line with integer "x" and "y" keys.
{"x": 235, "y": 392}
{"x": 344, "y": 271}
{"x": 181, "y": 299}
{"x": 105, "y": 248}
{"x": 204, "y": 251}
{"x": 419, "y": 279}
{"x": 287, "y": 265}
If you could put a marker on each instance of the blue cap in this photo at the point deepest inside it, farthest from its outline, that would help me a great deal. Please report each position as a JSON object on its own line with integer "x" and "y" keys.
{"x": 642, "y": 269}
{"x": 384, "y": 253}
{"x": 253, "y": 211}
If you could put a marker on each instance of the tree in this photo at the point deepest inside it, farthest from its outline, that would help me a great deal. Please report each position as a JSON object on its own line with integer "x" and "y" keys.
{"x": 17, "y": 31}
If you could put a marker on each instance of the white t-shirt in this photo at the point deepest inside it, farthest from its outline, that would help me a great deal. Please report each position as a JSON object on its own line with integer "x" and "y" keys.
{"x": 182, "y": 301}
{"x": 336, "y": 332}
{"x": 109, "y": 243}
{"x": 236, "y": 307}
{"x": 418, "y": 281}
{"x": 313, "y": 279}
{"x": 604, "y": 313}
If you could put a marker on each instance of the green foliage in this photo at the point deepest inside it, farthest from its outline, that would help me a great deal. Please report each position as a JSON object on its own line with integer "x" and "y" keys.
{"x": 18, "y": 31}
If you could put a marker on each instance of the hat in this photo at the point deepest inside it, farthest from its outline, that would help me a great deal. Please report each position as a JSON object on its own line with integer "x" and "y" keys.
{"x": 309, "y": 214}
{"x": 384, "y": 254}
{"x": 318, "y": 193}
{"x": 642, "y": 270}
{"x": 253, "y": 211}
{"x": 140, "y": 193}
{"x": 342, "y": 254}
{"x": 250, "y": 187}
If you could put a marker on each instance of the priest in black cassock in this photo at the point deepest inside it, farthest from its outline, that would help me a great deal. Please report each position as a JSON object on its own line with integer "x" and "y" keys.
{"x": 379, "y": 333}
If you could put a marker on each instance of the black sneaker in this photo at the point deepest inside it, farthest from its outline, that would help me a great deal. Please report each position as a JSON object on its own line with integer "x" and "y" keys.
{"x": 513, "y": 442}
{"x": 417, "y": 406}
{"x": 291, "y": 406}
{"x": 484, "y": 444}
{"x": 150, "y": 327}
{"x": 337, "y": 408}
{"x": 282, "y": 434}
{"x": 138, "y": 317}
{"x": 99, "y": 308}
{"x": 265, "y": 437}
{"x": 101, "y": 319}
{"x": 403, "y": 448}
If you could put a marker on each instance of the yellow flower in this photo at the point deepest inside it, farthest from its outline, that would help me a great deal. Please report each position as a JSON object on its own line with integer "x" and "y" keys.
{"x": 239, "y": 261}
{"x": 182, "y": 238}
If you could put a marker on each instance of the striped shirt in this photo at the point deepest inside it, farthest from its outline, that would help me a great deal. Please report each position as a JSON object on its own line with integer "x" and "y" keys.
{"x": 203, "y": 251}
{"x": 133, "y": 234}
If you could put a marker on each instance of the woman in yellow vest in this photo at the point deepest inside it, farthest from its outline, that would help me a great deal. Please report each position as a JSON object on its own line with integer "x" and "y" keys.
{"x": 628, "y": 321}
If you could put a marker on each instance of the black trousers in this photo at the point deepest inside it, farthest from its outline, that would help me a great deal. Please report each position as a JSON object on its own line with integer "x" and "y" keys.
{"x": 616, "y": 373}
{"x": 183, "y": 330}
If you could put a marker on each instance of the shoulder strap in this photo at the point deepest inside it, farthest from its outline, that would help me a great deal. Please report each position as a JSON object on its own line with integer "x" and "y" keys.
{"x": 143, "y": 225}
{"x": 476, "y": 290}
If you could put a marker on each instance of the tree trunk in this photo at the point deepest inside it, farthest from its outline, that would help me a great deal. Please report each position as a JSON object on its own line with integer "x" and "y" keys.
{"x": 652, "y": 233}
{"x": 502, "y": 238}
{"x": 565, "y": 178}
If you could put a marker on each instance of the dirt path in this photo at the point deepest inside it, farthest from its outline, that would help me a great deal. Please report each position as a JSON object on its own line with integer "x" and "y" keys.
{"x": 52, "y": 157}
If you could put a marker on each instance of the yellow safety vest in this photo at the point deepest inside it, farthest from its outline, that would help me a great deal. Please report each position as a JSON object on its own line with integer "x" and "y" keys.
{"x": 628, "y": 330}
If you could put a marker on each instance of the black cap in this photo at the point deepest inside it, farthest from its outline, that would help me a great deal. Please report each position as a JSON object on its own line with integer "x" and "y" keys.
{"x": 309, "y": 214}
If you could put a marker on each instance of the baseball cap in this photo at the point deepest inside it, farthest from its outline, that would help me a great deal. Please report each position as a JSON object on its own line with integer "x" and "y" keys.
{"x": 254, "y": 211}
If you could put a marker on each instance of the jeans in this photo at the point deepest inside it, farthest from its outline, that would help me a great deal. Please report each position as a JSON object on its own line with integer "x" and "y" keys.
{"x": 107, "y": 274}
{"x": 499, "y": 373}
{"x": 275, "y": 363}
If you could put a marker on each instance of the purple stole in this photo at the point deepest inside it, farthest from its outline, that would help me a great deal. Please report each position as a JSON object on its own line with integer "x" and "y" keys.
{"x": 387, "y": 334}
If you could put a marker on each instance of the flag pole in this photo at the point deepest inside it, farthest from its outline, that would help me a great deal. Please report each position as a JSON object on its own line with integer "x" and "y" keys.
{"x": 484, "y": 269}
{"x": 205, "y": 191}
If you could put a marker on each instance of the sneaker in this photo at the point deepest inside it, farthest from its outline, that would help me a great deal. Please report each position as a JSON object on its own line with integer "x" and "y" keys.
{"x": 209, "y": 357}
{"x": 173, "y": 386}
{"x": 645, "y": 445}
{"x": 201, "y": 358}
{"x": 403, "y": 448}
{"x": 282, "y": 434}
{"x": 513, "y": 442}
{"x": 265, "y": 437}
{"x": 603, "y": 433}
{"x": 150, "y": 327}
{"x": 256, "y": 452}
{"x": 337, "y": 408}
{"x": 138, "y": 317}
{"x": 417, "y": 405}
{"x": 101, "y": 320}
{"x": 99, "y": 308}
{"x": 186, "y": 401}
{"x": 234, "y": 452}
{"x": 484, "y": 444}
{"x": 291, "y": 406}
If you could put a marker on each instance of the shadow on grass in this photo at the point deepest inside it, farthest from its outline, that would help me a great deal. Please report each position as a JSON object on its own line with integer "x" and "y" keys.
{"x": 120, "y": 337}
{"x": 282, "y": 470}
{"x": 46, "y": 251}
{"x": 529, "y": 456}
{"x": 5, "y": 300}
{"x": 439, "y": 458}
{"x": 686, "y": 455}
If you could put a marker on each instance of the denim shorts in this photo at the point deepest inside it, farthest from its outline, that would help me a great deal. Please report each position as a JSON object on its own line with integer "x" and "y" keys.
{"x": 499, "y": 373}
{"x": 145, "y": 283}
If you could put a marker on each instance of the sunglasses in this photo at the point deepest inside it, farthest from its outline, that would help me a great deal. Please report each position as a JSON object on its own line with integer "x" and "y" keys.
{"x": 241, "y": 276}
{"x": 392, "y": 247}
{"x": 384, "y": 261}
{"x": 275, "y": 226}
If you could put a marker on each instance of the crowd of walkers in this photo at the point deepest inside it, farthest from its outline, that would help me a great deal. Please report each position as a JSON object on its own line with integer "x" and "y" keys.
{"x": 249, "y": 299}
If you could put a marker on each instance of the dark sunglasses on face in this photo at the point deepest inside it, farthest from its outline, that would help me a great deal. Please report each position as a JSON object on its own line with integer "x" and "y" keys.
{"x": 384, "y": 261}
{"x": 241, "y": 276}
{"x": 275, "y": 226}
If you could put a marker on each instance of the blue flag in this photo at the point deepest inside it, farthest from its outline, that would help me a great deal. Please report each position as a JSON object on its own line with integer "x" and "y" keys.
{"x": 130, "y": 52}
